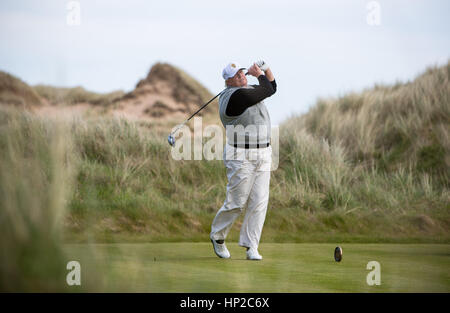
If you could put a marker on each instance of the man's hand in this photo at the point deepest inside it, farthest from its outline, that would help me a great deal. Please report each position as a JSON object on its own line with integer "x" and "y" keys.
{"x": 254, "y": 70}
{"x": 262, "y": 65}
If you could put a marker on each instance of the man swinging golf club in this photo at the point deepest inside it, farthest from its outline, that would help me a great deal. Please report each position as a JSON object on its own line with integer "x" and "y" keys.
{"x": 247, "y": 156}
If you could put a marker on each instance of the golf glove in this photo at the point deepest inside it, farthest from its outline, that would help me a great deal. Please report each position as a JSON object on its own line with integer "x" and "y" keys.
{"x": 262, "y": 65}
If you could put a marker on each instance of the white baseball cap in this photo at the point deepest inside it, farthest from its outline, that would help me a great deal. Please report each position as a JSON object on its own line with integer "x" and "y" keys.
{"x": 231, "y": 69}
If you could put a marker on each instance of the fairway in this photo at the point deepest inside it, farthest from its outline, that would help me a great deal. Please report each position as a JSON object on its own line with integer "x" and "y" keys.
{"x": 286, "y": 267}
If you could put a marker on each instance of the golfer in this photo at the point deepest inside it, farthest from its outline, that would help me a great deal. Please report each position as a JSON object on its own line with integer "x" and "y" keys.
{"x": 247, "y": 156}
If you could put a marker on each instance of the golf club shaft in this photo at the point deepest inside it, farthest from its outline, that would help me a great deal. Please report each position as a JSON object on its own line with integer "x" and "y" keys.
{"x": 207, "y": 104}
{"x": 203, "y": 106}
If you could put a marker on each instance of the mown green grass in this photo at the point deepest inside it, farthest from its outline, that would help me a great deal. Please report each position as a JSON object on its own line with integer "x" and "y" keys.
{"x": 287, "y": 267}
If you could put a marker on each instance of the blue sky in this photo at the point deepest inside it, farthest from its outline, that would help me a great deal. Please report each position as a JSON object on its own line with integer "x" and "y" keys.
{"x": 315, "y": 48}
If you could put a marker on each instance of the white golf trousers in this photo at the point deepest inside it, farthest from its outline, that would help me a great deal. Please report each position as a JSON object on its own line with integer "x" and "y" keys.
{"x": 248, "y": 173}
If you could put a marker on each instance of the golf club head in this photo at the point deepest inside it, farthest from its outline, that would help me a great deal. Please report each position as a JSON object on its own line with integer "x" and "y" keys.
{"x": 171, "y": 140}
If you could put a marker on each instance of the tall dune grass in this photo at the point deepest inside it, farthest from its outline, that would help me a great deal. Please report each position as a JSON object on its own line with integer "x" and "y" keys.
{"x": 14, "y": 91}
{"x": 69, "y": 96}
{"x": 390, "y": 127}
{"x": 36, "y": 175}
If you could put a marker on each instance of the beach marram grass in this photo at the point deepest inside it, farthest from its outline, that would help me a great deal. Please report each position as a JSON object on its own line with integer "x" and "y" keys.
{"x": 390, "y": 127}
{"x": 15, "y": 92}
{"x": 69, "y": 96}
{"x": 36, "y": 174}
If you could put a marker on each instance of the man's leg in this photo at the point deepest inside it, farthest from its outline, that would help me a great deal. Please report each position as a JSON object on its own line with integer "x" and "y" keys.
{"x": 240, "y": 181}
{"x": 257, "y": 204}
{"x": 256, "y": 211}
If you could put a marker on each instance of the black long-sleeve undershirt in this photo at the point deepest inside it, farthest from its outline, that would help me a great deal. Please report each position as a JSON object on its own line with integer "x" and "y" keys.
{"x": 244, "y": 98}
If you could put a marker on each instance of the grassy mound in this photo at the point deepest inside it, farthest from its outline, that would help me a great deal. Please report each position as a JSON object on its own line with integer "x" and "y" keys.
{"x": 14, "y": 91}
{"x": 184, "y": 87}
{"x": 390, "y": 127}
{"x": 69, "y": 96}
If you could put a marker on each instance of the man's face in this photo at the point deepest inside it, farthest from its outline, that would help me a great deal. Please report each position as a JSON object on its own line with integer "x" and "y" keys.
{"x": 238, "y": 80}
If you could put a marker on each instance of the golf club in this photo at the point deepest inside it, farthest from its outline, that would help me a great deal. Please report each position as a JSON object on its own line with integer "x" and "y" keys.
{"x": 171, "y": 138}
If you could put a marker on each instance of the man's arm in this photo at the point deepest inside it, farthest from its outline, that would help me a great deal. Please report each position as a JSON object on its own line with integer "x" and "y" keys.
{"x": 244, "y": 98}
{"x": 263, "y": 66}
{"x": 269, "y": 75}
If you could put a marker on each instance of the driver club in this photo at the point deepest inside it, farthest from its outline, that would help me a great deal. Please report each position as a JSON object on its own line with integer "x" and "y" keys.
{"x": 171, "y": 138}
